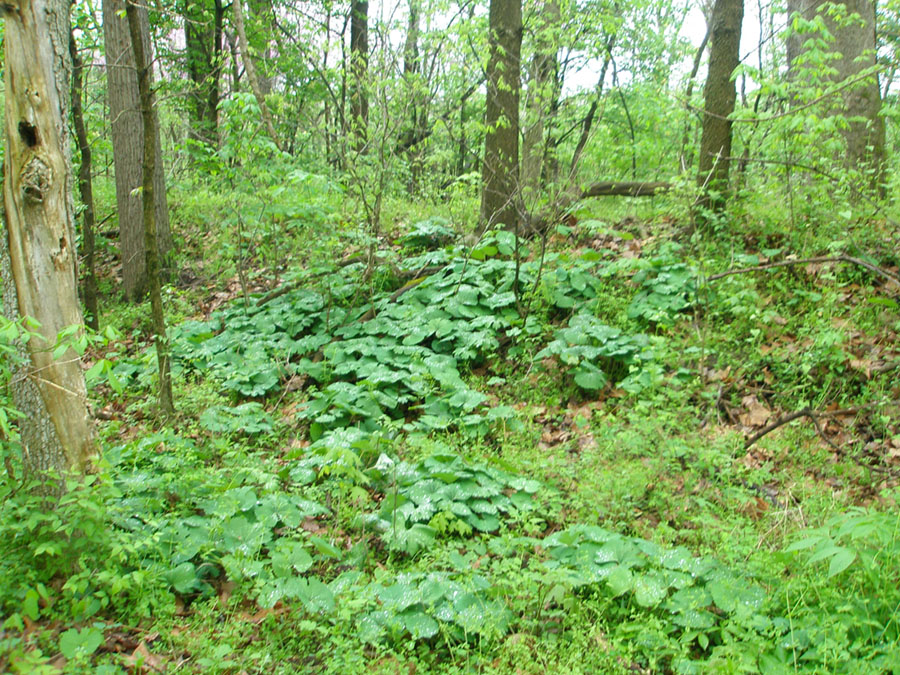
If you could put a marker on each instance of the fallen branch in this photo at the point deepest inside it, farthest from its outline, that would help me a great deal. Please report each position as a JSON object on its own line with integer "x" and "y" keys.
{"x": 814, "y": 417}
{"x": 540, "y": 223}
{"x": 790, "y": 417}
{"x": 821, "y": 259}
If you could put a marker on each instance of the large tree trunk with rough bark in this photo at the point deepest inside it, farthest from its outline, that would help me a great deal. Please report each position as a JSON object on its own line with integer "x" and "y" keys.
{"x": 128, "y": 149}
{"x": 719, "y": 96}
{"x": 37, "y": 254}
{"x": 500, "y": 173}
{"x": 860, "y": 102}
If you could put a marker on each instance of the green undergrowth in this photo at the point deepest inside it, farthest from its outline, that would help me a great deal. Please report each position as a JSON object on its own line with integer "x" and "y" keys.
{"x": 460, "y": 460}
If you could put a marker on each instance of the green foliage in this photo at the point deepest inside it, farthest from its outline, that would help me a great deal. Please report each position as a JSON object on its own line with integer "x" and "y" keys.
{"x": 443, "y": 495}
{"x": 699, "y": 597}
{"x": 248, "y": 418}
{"x": 666, "y": 289}
{"x": 599, "y": 353}
{"x": 428, "y": 234}
{"x": 856, "y": 615}
{"x": 419, "y": 606}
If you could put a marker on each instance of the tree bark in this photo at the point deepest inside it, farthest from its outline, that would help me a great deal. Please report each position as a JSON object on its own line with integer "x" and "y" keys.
{"x": 148, "y": 211}
{"x": 127, "y": 138}
{"x": 359, "y": 66}
{"x": 85, "y": 188}
{"x": 250, "y": 69}
{"x": 37, "y": 256}
{"x": 500, "y": 172}
{"x": 860, "y": 104}
{"x": 719, "y": 95}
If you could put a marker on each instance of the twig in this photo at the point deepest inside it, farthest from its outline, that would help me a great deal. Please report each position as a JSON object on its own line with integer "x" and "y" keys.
{"x": 781, "y": 421}
{"x": 803, "y": 261}
{"x": 814, "y": 416}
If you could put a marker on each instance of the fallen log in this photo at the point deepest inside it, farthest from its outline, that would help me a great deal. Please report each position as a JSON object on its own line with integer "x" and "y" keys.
{"x": 613, "y": 188}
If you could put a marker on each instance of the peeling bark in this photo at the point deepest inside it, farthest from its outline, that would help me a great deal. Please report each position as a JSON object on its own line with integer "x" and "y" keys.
{"x": 38, "y": 256}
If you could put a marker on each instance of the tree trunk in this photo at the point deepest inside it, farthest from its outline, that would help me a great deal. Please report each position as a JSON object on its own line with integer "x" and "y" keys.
{"x": 127, "y": 138}
{"x": 149, "y": 217}
{"x": 38, "y": 257}
{"x": 500, "y": 173}
{"x": 359, "y": 66}
{"x": 203, "y": 55}
{"x": 860, "y": 103}
{"x": 537, "y": 99}
{"x": 687, "y": 152}
{"x": 259, "y": 36}
{"x": 413, "y": 135}
{"x": 719, "y": 97}
{"x": 250, "y": 69}
{"x": 85, "y": 188}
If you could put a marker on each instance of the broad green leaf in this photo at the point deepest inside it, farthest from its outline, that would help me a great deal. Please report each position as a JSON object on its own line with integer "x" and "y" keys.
{"x": 841, "y": 560}
{"x": 75, "y": 644}
{"x": 182, "y": 578}
{"x": 649, "y": 589}
{"x": 590, "y": 379}
{"x": 620, "y": 580}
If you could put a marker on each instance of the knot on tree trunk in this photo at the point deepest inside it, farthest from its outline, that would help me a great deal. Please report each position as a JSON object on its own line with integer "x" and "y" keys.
{"x": 37, "y": 178}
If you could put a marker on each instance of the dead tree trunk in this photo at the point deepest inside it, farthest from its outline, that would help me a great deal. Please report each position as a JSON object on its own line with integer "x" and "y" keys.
{"x": 37, "y": 254}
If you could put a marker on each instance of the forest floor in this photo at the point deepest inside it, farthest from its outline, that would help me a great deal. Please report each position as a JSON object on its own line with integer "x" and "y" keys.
{"x": 595, "y": 453}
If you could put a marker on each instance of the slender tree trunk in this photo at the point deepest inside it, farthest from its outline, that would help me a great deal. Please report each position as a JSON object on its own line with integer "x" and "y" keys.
{"x": 359, "y": 67}
{"x": 413, "y": 134}
{"x": 719, "y": 95}
{"x": 250, "y": 69}
{"x": 259, "y": 38}
{"x": 687, "y": 153}
{"x": 537, "y": 99}
{"x": 328, "y": 114}
{"x": 37, "y": 254}
{"x": 588, "y": 122}
{"x": 149, "y": 216}
{"x": 85, "y": 188}
{"x": 127, "y": 138}
{"x": 500, "y": 174}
